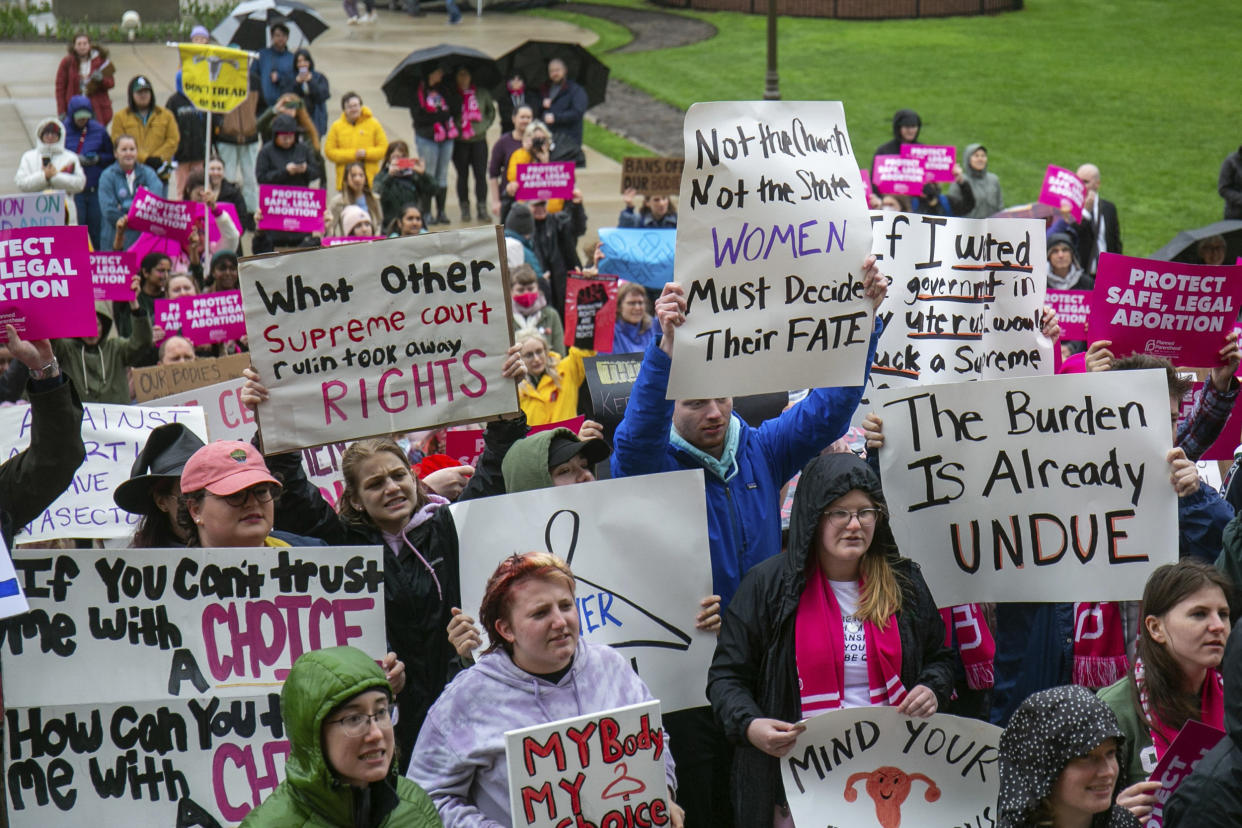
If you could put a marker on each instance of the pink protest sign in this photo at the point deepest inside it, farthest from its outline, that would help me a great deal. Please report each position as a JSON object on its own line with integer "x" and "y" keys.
{"x": 1168, "y": 309}
{"x": 112, "y": 274}
{"x": 204, "y": 319}
{"x": 1063, "y": 190}
{"x": 45, "y": 282}
{"x": 1230, "y": 433}
{"x": 937, "y": 161}
{"x": 213, "y": 229}
{"x": 464, "y": 446}
{"x": 333, "y": 241}
{"x": 539, "y": 182}
{"x": 1073, "y": 308}
{"x": 866, "y": 179}
{"x": 574, "y": 424}
{"x": 894, "y": 174}
{"x": 1190, "y": 745}
{"x": 291, "y": 209}
{"x": 149, "y": 213}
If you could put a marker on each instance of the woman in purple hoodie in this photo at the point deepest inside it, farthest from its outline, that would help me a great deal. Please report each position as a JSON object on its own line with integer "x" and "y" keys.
{"x": 537, "y": 670}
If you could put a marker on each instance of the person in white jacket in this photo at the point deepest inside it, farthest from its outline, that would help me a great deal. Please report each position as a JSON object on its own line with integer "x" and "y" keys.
{"x": 49, "y": 166}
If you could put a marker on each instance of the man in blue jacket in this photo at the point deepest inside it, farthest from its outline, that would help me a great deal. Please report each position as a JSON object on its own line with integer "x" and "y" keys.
{"x": 274, "y": 69}
{"x": 90, "y": 140}
{"x": 563, "y": 107}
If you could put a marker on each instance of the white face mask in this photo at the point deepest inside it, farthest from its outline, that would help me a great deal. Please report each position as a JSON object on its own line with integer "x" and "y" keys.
{"x": 404, "y": 442}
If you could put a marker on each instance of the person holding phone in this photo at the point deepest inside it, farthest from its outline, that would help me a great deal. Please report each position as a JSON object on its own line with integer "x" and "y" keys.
{"x": 49, "y": 166}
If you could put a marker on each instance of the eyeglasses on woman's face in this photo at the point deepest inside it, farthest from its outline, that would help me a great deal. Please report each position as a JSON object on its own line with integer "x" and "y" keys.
{"x": 357, "y": 724}
{"x": 842, "y": 517}
{"x": 263, "y": 493}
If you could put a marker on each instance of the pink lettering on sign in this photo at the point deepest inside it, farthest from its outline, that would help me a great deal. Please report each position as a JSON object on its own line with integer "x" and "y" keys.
{"x": 204, "y": 319}
{"x": 45, "y": 282}
{"x": 539, "y": 182}
{"x": 1179, "y": 311}
{"x": 1063, "y": 190}
{"x": 937, "y": 161}
{"x": 112, "y": 275}
{"x": 291, "y": 209}
{"x": 261, "y": 779}
{"x": 1072, "y": 307}
{"x": 149, "y": 213}
{"x": 1190, "y": 745}
{"x": 894, "y": 174}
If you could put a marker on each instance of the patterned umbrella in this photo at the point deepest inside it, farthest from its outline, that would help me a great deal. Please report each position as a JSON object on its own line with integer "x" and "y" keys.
{"x": 248, "y": 25}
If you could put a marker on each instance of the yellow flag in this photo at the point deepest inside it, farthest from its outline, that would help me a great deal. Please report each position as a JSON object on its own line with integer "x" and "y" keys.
{"x": 214, "y": 78}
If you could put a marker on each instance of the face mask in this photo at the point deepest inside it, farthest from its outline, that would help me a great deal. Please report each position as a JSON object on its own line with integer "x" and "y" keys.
{"x": 526, "y": 300}
{"x": 404, "y": 442}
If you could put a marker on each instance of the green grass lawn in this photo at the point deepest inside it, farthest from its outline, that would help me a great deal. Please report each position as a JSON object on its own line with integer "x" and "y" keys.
{"x": 1147, "y": 89}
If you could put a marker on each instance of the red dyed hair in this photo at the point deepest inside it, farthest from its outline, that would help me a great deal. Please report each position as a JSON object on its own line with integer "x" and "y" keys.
{"x": 498, "y": 595}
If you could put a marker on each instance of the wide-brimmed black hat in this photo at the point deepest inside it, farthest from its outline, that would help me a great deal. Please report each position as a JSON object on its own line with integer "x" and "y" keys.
{"x": 162, "y": 458}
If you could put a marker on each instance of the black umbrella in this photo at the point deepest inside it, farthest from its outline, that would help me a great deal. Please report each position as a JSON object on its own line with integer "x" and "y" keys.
{"x": 1184, "y": 247}
{"x": 530, "y": 60}
{"x": 401, "y": 85}
{"x": 249, "y": 23}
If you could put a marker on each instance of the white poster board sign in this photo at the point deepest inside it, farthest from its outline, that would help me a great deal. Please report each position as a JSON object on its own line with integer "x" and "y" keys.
{"x": 871, "y": 766}
{"x": 114, "y": 436}
{"x": 380, "y": 337}
{"x": 639, "y": 581}
{"x": 12, "y": 598}
{"x": 771, "y": 236}
{"x": 1034, "y": 489}
{"x": 599, "y": 769}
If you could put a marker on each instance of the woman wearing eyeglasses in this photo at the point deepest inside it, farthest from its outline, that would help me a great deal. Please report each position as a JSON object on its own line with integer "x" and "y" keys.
{"x": 338, "y": 712}
{"x": 839, "y": 620}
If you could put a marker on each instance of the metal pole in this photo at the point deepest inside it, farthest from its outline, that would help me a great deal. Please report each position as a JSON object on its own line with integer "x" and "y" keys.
{"x": 771, "y": 81}
{"x": 206, "y": 254}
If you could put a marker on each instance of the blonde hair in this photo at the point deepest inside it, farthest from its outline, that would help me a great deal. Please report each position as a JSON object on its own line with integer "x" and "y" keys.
{"x": 551, "y": 356}
{"x": 879, "y": 596}
{"x": 354, "y": 456}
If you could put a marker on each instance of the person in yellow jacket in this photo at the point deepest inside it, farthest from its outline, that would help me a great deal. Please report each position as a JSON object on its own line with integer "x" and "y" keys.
{"x": 355, "y": 136}
{"x": 153, "y": 127}
{"x": 549, "y": 394}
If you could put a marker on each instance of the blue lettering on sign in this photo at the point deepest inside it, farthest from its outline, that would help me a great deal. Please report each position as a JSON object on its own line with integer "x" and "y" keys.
{"x": 592, "y": 606}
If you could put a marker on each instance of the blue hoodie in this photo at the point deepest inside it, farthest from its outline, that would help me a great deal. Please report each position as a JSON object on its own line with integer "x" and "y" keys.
{"x": 92, "y": 144}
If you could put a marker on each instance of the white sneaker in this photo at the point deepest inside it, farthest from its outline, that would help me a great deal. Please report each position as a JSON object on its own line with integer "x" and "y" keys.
{"x": 353, "y": 21}
{"x": 368, "y": 18}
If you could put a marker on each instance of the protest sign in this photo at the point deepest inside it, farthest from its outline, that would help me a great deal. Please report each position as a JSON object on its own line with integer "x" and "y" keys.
{"x": 1166, "y": 309}
{"x": 45, "y": 282}
{"x": 1064, "y": 190}
{"x": 214, "y": 78}
{"x": 639, "y": 255}
{"x": 333, "y": 241}
{"x": 898, "y": 175}
{"x": 771, "y": 238}
{"x": 652, "y": 176}
{"x": 159, "y": 381}
{"x": 937, "y": 161}
{"x": 12, "y": 598}
{"x": 604, "y": 769}
{"x": 204, "y": 319}
{"x": 393, "y": 336}
{"x": 112, "y": 275}
{"x": 165, "y": 666}
{"x": 866, "y": 180}
{"x": 225, "y": 416}
{"x": 609, "y": 379}
{"x": 1032, "y": 489}
{"x": 148, "y": 213}
{"x": 539, "y": 182}
{"x": 1190, "y": 745}
{"x": 591, "y": 526}
{"x": 590, "y": 312}
{"x": 465, "y": 446}
{"x": 1230, "y": 436}
{"x": 291, "y": 209}
{"x": 114, "y": 435}
{"x": 870, "y": 766}
{"x": 32, "y": 210}
{"x": 1073, "y": 307}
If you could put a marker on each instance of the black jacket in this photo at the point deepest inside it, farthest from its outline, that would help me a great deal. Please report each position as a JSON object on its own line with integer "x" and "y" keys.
{"x": 754, "y": 671}
{"x": 231, "y": 193}
{"x": 1230, "y": 184}
{"x": 416, "y": 615}
{"x": 192, "y": 126}
{"x": 424, "y": 121}
{"x": 270, "y": 166}
{"x": 1087, "y": 233}
{"x": 1212, "y": 796}
{"x": 556, "y": 244}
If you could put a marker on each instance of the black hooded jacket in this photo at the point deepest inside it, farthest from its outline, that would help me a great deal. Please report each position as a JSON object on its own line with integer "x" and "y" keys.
{"x": 893, "y": 147}
{"x": 754, "y": 671}
{"x": 1211, "y": 797}
{"x": 272, "y": 160}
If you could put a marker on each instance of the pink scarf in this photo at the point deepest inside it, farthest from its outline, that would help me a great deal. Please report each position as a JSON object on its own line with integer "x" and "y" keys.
{"x": 821, "y": 658}
{"x": 975, "y": 644}
{"x": 395, "y": 542}
{"x": 1211, "y": 707}
{"x": 1099, "y": 645}
{"x": 470, "y": 113}
{"x": 434, "y": 103}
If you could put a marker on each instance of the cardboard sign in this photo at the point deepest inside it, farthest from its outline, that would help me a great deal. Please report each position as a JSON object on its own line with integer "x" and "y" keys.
{"x": 12, "y": 597}
{"x": 112, "y": 275}
{"x": 1073, "y": 308}
{"x": 32, "y": 210}
{"x": 609, "y": 379}
{"x": 771, "y": 238}
{"x": 599, "y": 769}
{"x": 1167, "y": 309}
{"x": 1190, "y": 745}
{"x": 333, "y": 241}
{"x": 937, "y": 161}
{"x": 1064, "y": 190}
{"x": 148, "y": 213}
{"x": 898, "y": 175}
{"x": 114, "y": 435}
{"x": 45, "y": 282}
{"x": 590, "y": 312}
{"x": 164, "y": 380}
{"x": 639, "y": 255}
{"x": 399, "y": 335}
{"x": 165, "y": 665}
{"x": 214, "y": 78}
{"x": 871, "y": 766}
{"x": 1033, "y": 489}
{"x": 651, "y": 176}
{"x": 539, "y": 182}
{"x": 204, "y": 319}
{"x": 590, "y": 525}
{"x": 291, "y": 209}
